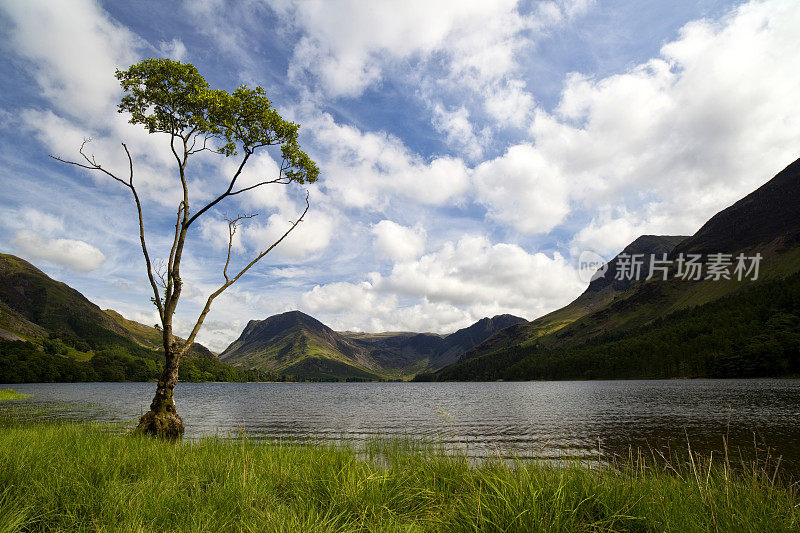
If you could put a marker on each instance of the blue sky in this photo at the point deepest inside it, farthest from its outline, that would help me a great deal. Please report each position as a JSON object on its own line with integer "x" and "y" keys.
{"x": 470, "y": 151}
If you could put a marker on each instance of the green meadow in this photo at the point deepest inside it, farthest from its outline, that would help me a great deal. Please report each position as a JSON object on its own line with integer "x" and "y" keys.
{"x": 80, "y": 477}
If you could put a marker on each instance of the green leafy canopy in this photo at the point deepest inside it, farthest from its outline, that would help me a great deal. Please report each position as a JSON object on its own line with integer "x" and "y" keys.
{"x": 167, "y": 96}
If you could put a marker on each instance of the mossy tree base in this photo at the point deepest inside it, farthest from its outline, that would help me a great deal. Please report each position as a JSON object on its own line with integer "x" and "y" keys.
{"x": 164, "y": 424}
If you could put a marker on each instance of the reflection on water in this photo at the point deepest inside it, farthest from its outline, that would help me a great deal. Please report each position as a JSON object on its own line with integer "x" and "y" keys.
{"x": 537, "y": 419}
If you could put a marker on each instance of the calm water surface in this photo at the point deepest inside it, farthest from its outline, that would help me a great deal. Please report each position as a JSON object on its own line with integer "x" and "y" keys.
{"x": 536, "y": 419}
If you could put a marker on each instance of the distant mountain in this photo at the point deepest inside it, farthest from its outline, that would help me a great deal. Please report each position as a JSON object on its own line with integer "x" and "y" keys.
{"x": 468, "y": 339}
{"x": 299, "y": 346}
{"x": 610, "y": 315}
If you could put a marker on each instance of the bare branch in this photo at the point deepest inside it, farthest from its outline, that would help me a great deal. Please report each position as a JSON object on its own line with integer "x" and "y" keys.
{"x": 205, "y": 148}
{"x": 175, "y": 240}
{"x": 231, "y": 281}
{"x": 280, "y": 181}
{"x": 233, "y": 223}
{"x": 222, "y": 196}
{"x": 161, "y": 273}
{"x": 93, "y": 165}
{"x": 156, "y": 296}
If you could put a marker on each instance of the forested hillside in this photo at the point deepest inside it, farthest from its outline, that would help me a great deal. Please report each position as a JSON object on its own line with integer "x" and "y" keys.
{"x": 755, "y": 332}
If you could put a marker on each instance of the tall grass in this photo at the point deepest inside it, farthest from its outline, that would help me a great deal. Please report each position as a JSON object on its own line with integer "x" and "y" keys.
{"x": 10, "y": 394}
{"x": 81, "y": 477}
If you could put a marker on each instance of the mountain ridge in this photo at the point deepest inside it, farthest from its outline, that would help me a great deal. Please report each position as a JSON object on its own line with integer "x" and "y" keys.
{"x": 764, "y": 222}
{"x": 282, "y": 342}
{"x": 601, "y": 291}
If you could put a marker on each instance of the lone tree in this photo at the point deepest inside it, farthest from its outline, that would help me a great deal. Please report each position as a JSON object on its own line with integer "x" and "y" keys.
{"x": 172, "y": 98}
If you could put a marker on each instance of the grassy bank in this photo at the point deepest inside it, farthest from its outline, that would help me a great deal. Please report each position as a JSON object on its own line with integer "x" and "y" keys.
{"x": 10, "y": 394}
{"x": 78, "y": 477}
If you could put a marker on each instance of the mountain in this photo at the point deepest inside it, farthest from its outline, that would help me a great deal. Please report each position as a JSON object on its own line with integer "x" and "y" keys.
{"x": 299, "y": 346}
{"x": 601, "y": 291}
{"x": 32, "y": 305}
{"x": 51, "y": 332}
{"x": 767, "y": 215}
{"x": 436, "y": 351}
{"x": 612, "y": 320}
{"x": 467, "y": 339}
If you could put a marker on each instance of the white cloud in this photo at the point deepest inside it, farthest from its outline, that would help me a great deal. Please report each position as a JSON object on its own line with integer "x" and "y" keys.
{"x": 663, "y": 146}
{"x": 364, "y": 169}
{"x": 76, "y": 46}
{"x": 311, "y": 236}
{"x": 607, "y": 234}
{"x": 359, "y": 307}
{"x": 451, "y": 288}
{"x": 45, "y": 223}
{"x": 446, "y": 50}
{"x": 509, "y": 102}
{"x": 458, "y": 130}
{"x": 174, "y": 49}
{"x": 523, "y": 189}
{"x": 397, "y": 242}
{"x": 348, "y": 45}
{"x": 290, "y": 272}
{"x": 341, "y": 297}
{"x": 473, "y": 271}
{"x": 76, "y": 255}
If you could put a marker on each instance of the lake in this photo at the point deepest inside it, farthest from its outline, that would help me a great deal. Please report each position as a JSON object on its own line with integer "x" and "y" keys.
{"x": 531, "y": 419}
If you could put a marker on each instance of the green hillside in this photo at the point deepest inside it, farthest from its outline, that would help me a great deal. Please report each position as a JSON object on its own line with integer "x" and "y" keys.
{"x": 35, "y": 304}
{"x": 51, "y": 332}
{"x": 298, "y": 346}
{"x": 601, "y": 292}
{"x": 673, "y": 328}
{"x": 751, "y": 333}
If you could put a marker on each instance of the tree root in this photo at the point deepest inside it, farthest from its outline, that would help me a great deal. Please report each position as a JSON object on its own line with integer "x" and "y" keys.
{"x": 164, "y": 424}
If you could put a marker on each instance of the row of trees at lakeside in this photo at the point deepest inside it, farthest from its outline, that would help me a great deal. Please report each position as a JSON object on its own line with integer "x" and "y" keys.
{"x": 24, "y": 362}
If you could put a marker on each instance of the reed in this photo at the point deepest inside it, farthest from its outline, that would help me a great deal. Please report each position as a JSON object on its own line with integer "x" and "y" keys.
{"x": 57, "y": 476}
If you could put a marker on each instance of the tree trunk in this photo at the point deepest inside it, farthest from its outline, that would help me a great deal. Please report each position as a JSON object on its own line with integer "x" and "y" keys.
{"x": 162, "y": 419}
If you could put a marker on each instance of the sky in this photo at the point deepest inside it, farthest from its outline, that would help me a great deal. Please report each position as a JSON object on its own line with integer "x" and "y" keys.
{"x": 470, "y": 151}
